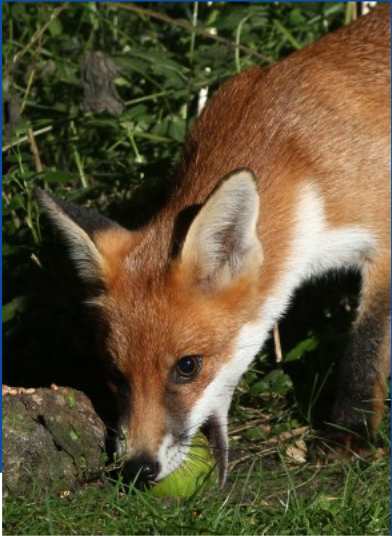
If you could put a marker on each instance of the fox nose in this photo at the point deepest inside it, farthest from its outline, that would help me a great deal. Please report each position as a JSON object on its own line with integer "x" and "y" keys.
{"x": 141, "y": 470}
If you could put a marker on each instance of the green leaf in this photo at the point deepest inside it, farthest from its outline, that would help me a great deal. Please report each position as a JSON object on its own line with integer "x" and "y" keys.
{"x": 275, "y": 382}
{"x": 255, "y": 433}
{"x": 307, "y": 345}
{"x": 296, "y": 17}
{"x": 16, "y": 202}
{"x": 279, "y": 382}
{"x": 14, "y": 307}
{"x": 57, "y": 176}
{"x": 259, "y": 387}
{"x": 177, "y": 129}
{"x": 55, "y": 28}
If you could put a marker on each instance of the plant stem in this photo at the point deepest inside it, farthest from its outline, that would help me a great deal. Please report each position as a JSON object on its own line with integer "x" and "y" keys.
{"x": 78, "y": 160}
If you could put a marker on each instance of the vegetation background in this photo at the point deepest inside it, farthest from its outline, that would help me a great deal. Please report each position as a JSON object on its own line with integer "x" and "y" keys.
{"x": 98, "y": 98}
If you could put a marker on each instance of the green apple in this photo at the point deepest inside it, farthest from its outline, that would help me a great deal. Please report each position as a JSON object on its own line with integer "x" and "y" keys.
{"x": 195, "y": 469}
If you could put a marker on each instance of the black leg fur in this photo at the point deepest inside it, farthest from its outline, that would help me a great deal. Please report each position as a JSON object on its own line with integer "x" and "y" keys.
{"x": 362, "y": 373}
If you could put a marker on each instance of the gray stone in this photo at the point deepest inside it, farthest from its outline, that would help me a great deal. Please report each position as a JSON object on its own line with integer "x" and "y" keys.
{"x": 52, "y": 440}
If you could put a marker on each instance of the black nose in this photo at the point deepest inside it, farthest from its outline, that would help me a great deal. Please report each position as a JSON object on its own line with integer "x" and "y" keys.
{"x": 141, "y": 471}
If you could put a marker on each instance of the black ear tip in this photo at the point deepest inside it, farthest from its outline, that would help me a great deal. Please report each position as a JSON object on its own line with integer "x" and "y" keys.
{"x": 44, "y": 198}
{"x": 40, "y": 195}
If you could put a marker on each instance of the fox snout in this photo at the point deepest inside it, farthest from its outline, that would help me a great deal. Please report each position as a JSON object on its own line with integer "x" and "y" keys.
{"x": 139, "y": 468}
{"x": 150, "y": 463}
{"x": 140, "y": 471}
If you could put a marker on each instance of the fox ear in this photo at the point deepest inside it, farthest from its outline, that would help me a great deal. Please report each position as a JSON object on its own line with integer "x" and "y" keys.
{"x": 222, "y": 242}
{"x": 93, "y": 240}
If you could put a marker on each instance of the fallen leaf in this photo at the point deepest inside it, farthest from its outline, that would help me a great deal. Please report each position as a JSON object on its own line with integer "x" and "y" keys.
{"x": 297, "y": 452}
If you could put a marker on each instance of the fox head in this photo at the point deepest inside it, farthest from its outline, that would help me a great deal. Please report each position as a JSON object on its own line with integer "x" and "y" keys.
{"x": 176, "y": 323}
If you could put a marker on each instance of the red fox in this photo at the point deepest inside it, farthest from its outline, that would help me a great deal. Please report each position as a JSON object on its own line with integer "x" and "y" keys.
{"x": 284, "y": 176}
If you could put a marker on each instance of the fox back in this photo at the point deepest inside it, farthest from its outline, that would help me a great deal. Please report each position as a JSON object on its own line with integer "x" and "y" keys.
{"x": 284, "y": 176}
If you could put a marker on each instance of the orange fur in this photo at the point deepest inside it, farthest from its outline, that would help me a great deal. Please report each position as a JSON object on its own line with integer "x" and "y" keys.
{"x": 320, "y": 117}
{"x": 309, "y": 117}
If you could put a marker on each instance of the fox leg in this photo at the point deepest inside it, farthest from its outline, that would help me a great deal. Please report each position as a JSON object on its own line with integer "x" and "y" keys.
{"x": 364, "y": 370}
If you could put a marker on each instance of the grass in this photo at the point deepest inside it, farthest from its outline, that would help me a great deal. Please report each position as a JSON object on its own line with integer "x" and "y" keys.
{"x": 279, "y": 482}
{"x": 269, "y": 495}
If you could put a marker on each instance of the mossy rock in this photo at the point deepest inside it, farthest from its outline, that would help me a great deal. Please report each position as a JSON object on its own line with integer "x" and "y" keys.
{"x": 49, "y": 443}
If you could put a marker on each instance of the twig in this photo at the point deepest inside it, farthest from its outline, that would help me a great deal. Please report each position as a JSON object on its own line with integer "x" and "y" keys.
{"x": 278, "y": 346}
{"x": 34, "y": 150}
{"x": 189, "y": 27}
{"x": 289, "y": 37}
{"x": 78, "y": 160}
{"x": 238, "y": 43}
{"x": 26, "y": 138}
{"x": 285, "y": 436}
{"x": 271, "y": 445}
{"x": 351, "y": 12}
{"x": 249, "y": 424}
{"x": 28, "y": 88}
{"x": 252, "y": 455}
{"x": 36, "y": 260}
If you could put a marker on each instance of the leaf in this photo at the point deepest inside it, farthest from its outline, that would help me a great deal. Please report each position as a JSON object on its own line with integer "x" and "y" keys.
{"x": 279, "y": 382}
{"x": 327, "y": 503}
{"x": 57, "y": 176}
{"x": 55, "y": 28}
{"x": 276, "y": 382}
{"x": 135, "y": 113}
{"x": 297, "y": 452}
{"x": 259, "y": 387}
{"x": 177, "y": 129}
{"x": 307, "y": 345}
{"x": 16, "y": 202}
{"x": 129, "y": 65}
{"x": 14, "y": 307}
{"x": 255, "y": 433}
{"x": 296, "y": 17}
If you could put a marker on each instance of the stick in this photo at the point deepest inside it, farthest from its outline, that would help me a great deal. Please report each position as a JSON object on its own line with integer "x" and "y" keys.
{"x": 34, "y": 150}
{"x": 278, "y": 346}
{"x": 285, "y": 436}
{"x": 26, "y": 138}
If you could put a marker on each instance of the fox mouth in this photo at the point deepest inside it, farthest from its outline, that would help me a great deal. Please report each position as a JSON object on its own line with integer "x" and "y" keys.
{"x": 216, "y": 433}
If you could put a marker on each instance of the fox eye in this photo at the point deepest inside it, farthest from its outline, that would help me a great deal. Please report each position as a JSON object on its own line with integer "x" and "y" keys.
{"x": 187, "y": 368}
